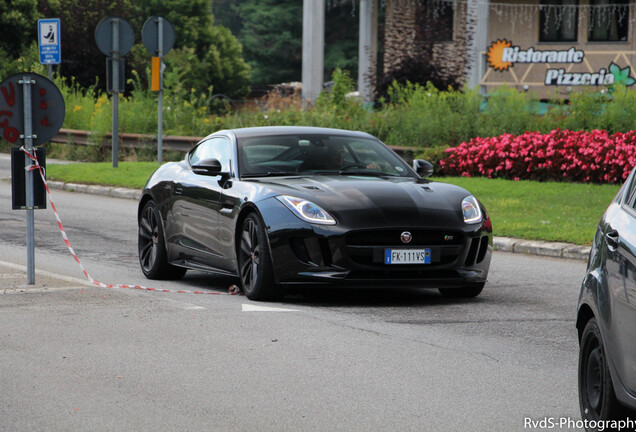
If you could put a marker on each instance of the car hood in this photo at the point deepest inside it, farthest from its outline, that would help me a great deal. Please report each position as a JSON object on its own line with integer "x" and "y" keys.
{"x": 369, "y": 201}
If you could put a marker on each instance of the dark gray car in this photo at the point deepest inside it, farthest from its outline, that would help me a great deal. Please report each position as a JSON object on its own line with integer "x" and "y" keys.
{"x": 606, "y": 320}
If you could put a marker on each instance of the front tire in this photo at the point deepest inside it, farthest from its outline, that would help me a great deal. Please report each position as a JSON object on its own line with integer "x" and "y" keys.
{"x": 255, "y": 264}
{"x": 464, "y": 292}
{"x": 596, "y": 390}
{"x": 152, "y": 246}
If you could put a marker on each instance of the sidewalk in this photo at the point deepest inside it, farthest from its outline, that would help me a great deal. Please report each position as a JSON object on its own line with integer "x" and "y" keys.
{"x": 13, "y": 279}
{"x": 503, "y": 244}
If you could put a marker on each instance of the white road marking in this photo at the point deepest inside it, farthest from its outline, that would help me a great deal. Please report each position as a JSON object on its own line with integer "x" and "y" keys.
{"x": 254, "y": 308}
{"x": 180, "y": 304}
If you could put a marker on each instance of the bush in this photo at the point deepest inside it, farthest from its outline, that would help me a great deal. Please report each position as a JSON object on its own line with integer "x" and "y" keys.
{"x": 508, "y": 111}
{"x": 434, "y": 155}
{"x": 595, "y": 156}
{"x": 420, "y": 70}
{"x": 423, "y": 116}
{"x": 621, "y": 112}
{"x": 416, "y": 116}
{"x": 29, "y": 61}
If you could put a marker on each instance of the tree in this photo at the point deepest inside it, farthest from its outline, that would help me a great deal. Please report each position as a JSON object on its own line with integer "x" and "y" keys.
{"x": 18, "y": 26}
{"x": 272, "y": 38}
{"x": 271, "y": 34}
{"x": 342, "y": 23}
{"x": 228, "y": 14}
{"x": 214, "y": 60}
{"x": 81, "y": 58}
{"x": 207, "y": 55}
{"x": 431, "y": 61}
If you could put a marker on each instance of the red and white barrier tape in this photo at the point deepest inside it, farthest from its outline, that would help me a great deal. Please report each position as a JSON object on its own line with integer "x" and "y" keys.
{"x": 233, "y": 290}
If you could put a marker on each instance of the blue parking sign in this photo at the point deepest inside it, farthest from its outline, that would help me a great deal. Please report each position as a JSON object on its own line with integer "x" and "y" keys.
{"x": 49, "y": 41}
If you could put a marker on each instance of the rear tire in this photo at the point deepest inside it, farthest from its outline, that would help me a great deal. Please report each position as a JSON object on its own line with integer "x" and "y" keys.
{"x": 152, "y": 246}
{"x": 597, "y": 398}
{"x": 256, "y": 270}
{"x": 465, "y": 292}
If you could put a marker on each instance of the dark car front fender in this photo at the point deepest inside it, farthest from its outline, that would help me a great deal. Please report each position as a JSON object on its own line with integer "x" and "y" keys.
{"x": 280, "y": 225}
{"x": 594, "y": 302}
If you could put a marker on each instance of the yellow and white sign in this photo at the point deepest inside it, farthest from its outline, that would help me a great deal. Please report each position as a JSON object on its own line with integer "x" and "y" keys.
{"x": 503, "y": 55}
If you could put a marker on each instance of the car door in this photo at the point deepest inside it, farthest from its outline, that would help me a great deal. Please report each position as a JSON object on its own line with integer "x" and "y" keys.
{"x": 620, "y": 239}
{"x": 197, "y": 203}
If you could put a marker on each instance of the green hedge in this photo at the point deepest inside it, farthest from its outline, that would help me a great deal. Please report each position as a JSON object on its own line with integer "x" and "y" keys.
{"x": 417, "y": 116}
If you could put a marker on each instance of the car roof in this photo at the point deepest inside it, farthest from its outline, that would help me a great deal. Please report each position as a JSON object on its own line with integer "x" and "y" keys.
{"x": 293, "y": 130}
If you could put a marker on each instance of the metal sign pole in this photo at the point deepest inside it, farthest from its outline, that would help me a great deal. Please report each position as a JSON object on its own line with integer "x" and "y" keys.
{"x": 158, "y": 37}
{"x": 28, "y": 144}
{"x": 115, "y": 37}
{"x": 160, "y": 106}
{"x": 115, "y": 78}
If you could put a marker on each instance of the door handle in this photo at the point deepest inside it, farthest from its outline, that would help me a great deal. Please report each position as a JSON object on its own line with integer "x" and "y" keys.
{"x": 611, "y": 237}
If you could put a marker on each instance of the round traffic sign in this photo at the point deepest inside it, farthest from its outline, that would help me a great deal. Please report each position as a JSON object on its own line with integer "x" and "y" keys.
{"x": 47, "y": 108}
{"x": 150, "y": 35}
{"x": 104, "y": 35}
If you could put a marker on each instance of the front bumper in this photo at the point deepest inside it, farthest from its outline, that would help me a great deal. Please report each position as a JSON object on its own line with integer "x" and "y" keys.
{"x": 332, "y": 255}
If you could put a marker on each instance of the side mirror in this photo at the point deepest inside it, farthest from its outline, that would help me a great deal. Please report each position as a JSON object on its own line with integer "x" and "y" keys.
{"x": 210, "y": 167}
{"x": 423, "y": 168}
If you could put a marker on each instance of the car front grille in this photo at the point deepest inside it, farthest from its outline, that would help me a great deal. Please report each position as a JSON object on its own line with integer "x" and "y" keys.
{"x": 367, "y": 247}
{"x": 392, "y": 237}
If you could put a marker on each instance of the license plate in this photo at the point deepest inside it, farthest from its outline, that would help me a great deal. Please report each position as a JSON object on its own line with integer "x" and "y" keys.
{"x": 407, "y": 256}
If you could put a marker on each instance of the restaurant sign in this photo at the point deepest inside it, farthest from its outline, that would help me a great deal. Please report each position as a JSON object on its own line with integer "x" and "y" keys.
{"x": 502, "y": 55}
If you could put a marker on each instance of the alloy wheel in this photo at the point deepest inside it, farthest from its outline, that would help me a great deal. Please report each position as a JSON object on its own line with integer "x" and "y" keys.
{"x": 148, "y": 238}
{"x": 250, "y": 255}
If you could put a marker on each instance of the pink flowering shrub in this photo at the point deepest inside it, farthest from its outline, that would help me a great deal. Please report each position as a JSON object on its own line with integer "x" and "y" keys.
{"x": 582, "y": 156}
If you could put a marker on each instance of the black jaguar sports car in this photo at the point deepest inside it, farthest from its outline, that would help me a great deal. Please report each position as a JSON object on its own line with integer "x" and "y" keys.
{"x": 280, "y": 206}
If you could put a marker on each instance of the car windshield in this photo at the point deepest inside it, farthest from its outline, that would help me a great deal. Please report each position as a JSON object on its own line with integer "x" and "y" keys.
{"x": 317, "y": 154}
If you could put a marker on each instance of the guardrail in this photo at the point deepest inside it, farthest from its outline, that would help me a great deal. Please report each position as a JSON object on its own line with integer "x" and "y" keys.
{"x": 171, "y": 143}
{"x": 126, "y": 140}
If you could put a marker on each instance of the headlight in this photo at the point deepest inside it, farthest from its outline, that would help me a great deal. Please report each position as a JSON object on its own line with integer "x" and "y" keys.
{"x": 306, "y": 210}
{"x": 471, "y": 210}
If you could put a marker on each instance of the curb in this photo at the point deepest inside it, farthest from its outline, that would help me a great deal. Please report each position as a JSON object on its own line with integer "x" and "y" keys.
{"x": 109, "y": 191}
{"x": 502, "y": 244}
{"x": 542, "y": 248}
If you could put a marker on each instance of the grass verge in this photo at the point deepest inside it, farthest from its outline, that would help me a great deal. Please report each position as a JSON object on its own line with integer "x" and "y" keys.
{"x": 567, "y": 212}
{"x": 127, "y": 174}
{"x": 552, "y": 211}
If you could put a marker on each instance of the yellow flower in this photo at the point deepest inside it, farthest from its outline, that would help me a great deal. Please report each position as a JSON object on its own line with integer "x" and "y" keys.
{"x": 207, "y": 120}
{"x": 76, "y": 108}
{"x": 100, "y": 101}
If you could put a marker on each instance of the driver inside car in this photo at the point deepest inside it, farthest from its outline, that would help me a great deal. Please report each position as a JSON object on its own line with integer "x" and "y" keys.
{"x": 331, "y": 159}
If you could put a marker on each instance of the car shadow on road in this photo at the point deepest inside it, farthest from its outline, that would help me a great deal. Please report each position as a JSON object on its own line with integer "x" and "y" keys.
{"x": 334, "y": 296}
{"x": 370, "y": 297}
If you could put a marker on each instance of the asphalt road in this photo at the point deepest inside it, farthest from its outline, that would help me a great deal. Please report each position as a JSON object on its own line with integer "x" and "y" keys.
{"x": 87, "y": 358}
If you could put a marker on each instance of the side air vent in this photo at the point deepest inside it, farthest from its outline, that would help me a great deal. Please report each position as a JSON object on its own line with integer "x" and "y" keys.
{"x": 311, "y": 250}
{"x": 472, "y": 252}
{"x": 483, "y": 247}
{"x": 477, "y": 251}
{"x": 300, "y": 249}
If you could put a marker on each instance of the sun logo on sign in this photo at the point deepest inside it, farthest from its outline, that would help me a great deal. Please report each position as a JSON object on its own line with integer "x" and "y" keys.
{"x": 495, "y": 55}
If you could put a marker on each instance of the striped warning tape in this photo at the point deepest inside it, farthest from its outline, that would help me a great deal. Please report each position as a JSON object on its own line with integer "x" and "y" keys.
{"x": 233, "y": 290}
